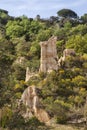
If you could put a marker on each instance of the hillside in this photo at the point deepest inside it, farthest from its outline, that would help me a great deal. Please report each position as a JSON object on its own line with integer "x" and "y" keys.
{"x": 63, "y": 91}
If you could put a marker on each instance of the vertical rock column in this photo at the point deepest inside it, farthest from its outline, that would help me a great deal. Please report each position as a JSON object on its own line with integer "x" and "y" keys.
{"x": 52, "y": 54}
{"x": 43, "y": 64}
{"x": 48, "y": 55}
{"x": 27, "y": 74}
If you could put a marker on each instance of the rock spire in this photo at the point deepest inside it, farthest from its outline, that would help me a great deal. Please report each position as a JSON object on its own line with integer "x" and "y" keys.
{"x": 48, "y": 55}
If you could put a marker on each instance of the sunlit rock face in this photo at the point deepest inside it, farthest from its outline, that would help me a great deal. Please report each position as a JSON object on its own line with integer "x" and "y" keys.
{"x": 31, "y": 100}
{"x": 66, "y": 53}
{"x": 48, "y": 55}
{"x": 69, "y": 52}
{"x": 28, "y": 74}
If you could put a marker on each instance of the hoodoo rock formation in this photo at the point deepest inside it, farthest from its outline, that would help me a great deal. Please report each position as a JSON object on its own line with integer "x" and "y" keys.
{"x": 31, "y": 100}
{"x": 49, "y": 62}
{"x": 49, "y": 58}
{"x": 48, "y": 55}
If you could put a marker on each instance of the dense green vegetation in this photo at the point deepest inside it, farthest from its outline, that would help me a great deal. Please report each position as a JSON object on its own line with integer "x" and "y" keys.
{"x": 63, "y": 93}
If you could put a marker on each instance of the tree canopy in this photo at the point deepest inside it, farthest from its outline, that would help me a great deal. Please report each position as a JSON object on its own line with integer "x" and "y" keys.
{"x": 84, "y": 18}
{"x": 67, "y": 13}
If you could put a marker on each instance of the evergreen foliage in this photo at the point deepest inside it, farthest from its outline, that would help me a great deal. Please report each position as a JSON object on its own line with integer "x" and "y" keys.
{"x": 67, "y": 13}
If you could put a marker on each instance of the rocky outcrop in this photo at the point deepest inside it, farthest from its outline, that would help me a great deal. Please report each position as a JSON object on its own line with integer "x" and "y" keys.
{"x": 66, "y": 53}
{"x": 49, "y": 58}
{"x": 69, "y": 52}
{"x": 48, "y": 55}
{"x": 31, "y": 100}
{"x": 61, "y": 61}
{"x": 29, "y": 74}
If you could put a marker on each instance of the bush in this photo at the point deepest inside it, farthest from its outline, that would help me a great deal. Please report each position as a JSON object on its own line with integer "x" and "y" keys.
{"x": 19, "y": 123}
{"x": 6, "y": 114}
{"x": 61, "y": 119}
{"x": 16, "y": 121}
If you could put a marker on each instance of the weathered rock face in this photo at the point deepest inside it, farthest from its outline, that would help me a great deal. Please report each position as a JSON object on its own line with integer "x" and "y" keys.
{"x": 31, "y": 101}
{"x": 48, "y": 55}
{"x": 29, "y": 74}
{"x": 69, "y": 52}
{"x": 60, "y": 61}
{"x": 66, "y": 53}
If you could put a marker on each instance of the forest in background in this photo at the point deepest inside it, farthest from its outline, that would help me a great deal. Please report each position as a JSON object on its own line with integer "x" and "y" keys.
{"x": 64, "y": 92}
